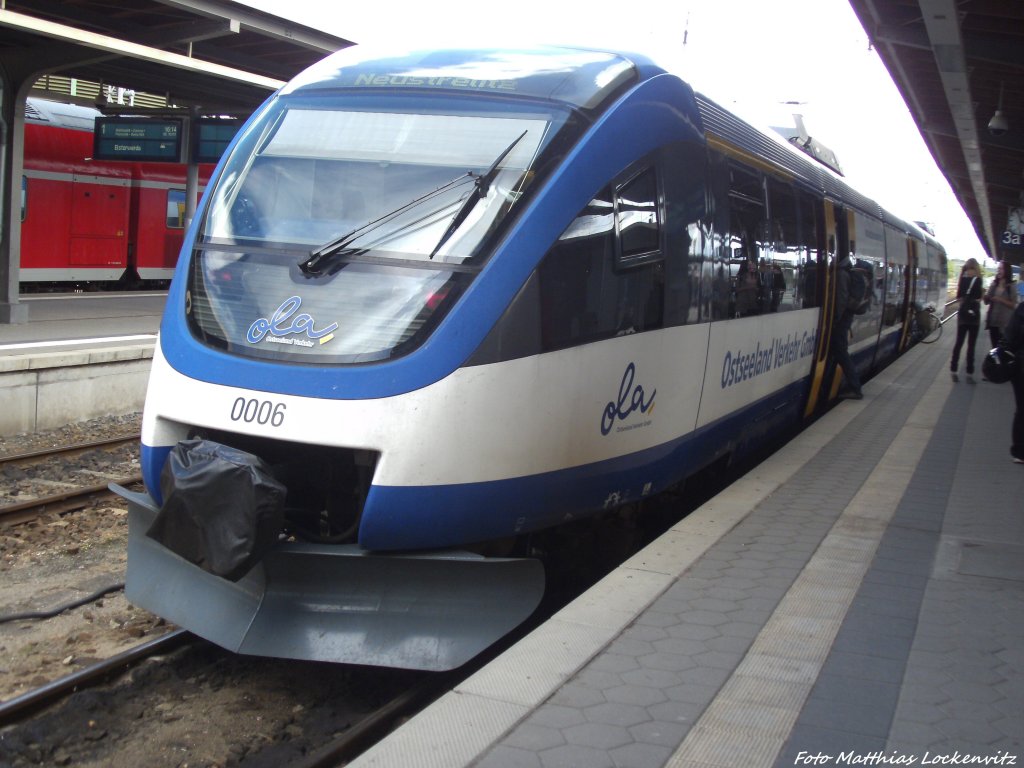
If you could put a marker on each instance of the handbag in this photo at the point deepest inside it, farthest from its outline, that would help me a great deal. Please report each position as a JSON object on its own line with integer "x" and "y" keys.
{"x": 999, "y": 365}
{"x": 970, "y": 306}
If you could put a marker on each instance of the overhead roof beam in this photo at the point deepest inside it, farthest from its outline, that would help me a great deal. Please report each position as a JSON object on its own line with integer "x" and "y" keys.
{"x": 908, "y": 37}
{"x": 190, "y": 32}
{"x": 66, "y": 11}
{"x": 166, "y": 35}
{"x": 942, "y": 24}
{"x": 231, "y": 56}
{"x": 132, "y": 50}
{"x": 909, "y": 95}
{"x": 999, "y": 52}
{"x": 265, "y": 24}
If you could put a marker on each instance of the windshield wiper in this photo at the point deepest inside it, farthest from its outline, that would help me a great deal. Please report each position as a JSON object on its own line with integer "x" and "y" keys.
{"x": 483, "y": 184}
{"x": 313, "y": 265}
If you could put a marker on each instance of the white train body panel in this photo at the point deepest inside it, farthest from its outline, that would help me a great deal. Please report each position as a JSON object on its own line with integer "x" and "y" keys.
{"x": 523, "y": 417}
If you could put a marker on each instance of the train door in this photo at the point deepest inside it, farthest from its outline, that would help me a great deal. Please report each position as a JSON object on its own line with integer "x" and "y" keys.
{"x": 909, "y": 290}
{"x": 845, "y": 235}
{"x": 157, "y": 228}
{"x": 99, "y": 225}
{"x": 828, "y": 259}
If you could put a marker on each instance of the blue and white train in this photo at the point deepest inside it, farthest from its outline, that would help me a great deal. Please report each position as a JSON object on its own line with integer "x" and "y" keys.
{"x": 438, "y": 300}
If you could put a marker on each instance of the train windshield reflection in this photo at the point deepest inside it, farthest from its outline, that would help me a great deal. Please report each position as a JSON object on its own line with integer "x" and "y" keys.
{"x": 317, "y": 173}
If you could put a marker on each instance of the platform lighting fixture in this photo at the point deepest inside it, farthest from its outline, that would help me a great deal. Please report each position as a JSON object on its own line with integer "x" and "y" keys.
{"x": 999, "y": 125}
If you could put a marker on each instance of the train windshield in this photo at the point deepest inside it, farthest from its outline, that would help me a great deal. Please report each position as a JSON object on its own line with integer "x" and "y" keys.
{"x": 320, "y": 173}
{"x": 360, "y": 215}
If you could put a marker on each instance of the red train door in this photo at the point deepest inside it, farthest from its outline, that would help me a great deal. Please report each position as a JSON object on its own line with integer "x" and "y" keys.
{"x": 99, "y": 223}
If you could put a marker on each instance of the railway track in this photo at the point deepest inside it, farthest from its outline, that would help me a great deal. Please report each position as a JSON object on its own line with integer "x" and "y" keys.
{"x": 55, "y": 465}
{"x": 46, "y": 695}
{"x": 336, "y": 749}
{"x": 67, "y": 501}
{"x": 67, "y": 450}
{"x": 104, "y": 708}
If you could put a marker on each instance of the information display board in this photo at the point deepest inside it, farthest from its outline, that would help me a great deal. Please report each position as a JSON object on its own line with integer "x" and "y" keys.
{"x": 211, "y": 136}
{"x": 137, "y": 138}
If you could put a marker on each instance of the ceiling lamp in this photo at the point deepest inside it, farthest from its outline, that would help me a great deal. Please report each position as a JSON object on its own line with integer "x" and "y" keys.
{"x": 999, "y": 125}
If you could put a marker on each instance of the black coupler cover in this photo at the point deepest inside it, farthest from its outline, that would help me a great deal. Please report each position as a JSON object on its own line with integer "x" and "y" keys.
{"x": 222, "y": 507}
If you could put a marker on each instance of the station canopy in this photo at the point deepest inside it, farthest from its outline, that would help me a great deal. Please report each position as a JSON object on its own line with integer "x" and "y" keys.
{"x": 957, "y": 63}
{"x": 208, "y": 57}
{"x": 218, "y": 55}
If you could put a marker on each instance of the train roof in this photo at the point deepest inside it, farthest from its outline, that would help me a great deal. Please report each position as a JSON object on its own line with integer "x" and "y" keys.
{"x": 583, "y": 78}
{"x": 767, "y": 146}
{"x": 61, "y": 115}
{"x": 587, "y": 79}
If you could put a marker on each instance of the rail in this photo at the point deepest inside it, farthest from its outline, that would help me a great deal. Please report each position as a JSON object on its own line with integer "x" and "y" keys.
{"x": 16, "y": 708}
{"x": 12, "y": 514}
{"x": 66, "y": 449}
{"x": 72, "y": 498}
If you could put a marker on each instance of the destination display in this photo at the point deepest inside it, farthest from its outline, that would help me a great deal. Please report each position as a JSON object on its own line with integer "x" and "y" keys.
{"x": 211, "y": 137}
{"x": 137, "y": 138}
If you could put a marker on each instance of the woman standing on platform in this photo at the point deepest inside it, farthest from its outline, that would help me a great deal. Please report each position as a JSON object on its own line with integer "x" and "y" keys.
{"x": 968, "y": 319}
{"x": 1001, "y": 298}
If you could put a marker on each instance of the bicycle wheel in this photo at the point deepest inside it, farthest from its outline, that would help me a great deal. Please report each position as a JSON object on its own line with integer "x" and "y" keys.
{"x": 931, "y": 327}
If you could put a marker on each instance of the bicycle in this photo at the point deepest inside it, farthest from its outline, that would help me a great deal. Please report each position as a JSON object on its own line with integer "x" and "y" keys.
{"x": 926, "y": 326}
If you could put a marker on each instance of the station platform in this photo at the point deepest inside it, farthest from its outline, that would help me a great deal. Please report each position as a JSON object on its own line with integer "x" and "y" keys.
{"x": 78, "y": 357}
{"x": 856, "y": 599}
{"x": 70, "y": 321}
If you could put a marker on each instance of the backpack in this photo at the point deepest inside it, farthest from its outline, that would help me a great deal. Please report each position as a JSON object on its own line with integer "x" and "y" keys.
{"x": 859, "y": 296}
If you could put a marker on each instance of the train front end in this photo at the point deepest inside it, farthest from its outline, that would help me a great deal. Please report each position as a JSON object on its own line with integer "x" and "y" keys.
{"x": 313, "y": 485}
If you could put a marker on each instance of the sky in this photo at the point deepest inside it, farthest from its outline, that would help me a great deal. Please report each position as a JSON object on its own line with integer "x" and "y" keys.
{"x": 762, "y": 59}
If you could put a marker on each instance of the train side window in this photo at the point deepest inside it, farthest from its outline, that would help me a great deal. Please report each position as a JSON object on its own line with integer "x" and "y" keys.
{"x": 685, "y": 237}
{"x": 637, "y": 220}
{"x": 719, "y": 265}
{"x": 24, "y": 197}
{"x": 787, "y": 251}
{"x": 747, "y": 243}
{"x": 584, "y": 297}
{"x": 812, "y": 232}
{"x": 897, "y": 247}
{"x": 175, "y": 208}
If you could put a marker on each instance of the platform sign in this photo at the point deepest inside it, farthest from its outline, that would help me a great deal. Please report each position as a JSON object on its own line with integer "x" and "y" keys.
{"x": 1013, "y": 236}
{"x": 211, "y": 136}
{"x": 151, "y": 139}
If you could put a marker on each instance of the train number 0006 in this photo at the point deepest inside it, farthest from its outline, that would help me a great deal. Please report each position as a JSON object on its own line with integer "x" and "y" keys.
{"x": 258, "y": 412}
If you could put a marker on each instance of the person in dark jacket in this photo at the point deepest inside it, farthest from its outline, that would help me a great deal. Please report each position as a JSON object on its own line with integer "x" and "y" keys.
{"x": 968, "y": 318}
{"x": 1013, "y": 341}
{"x": 1001, "y": 298}
{"x": 843, "y": 320}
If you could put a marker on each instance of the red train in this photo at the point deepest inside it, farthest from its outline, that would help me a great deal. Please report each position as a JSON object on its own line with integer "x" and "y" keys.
{"x": 89, "y": 223}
